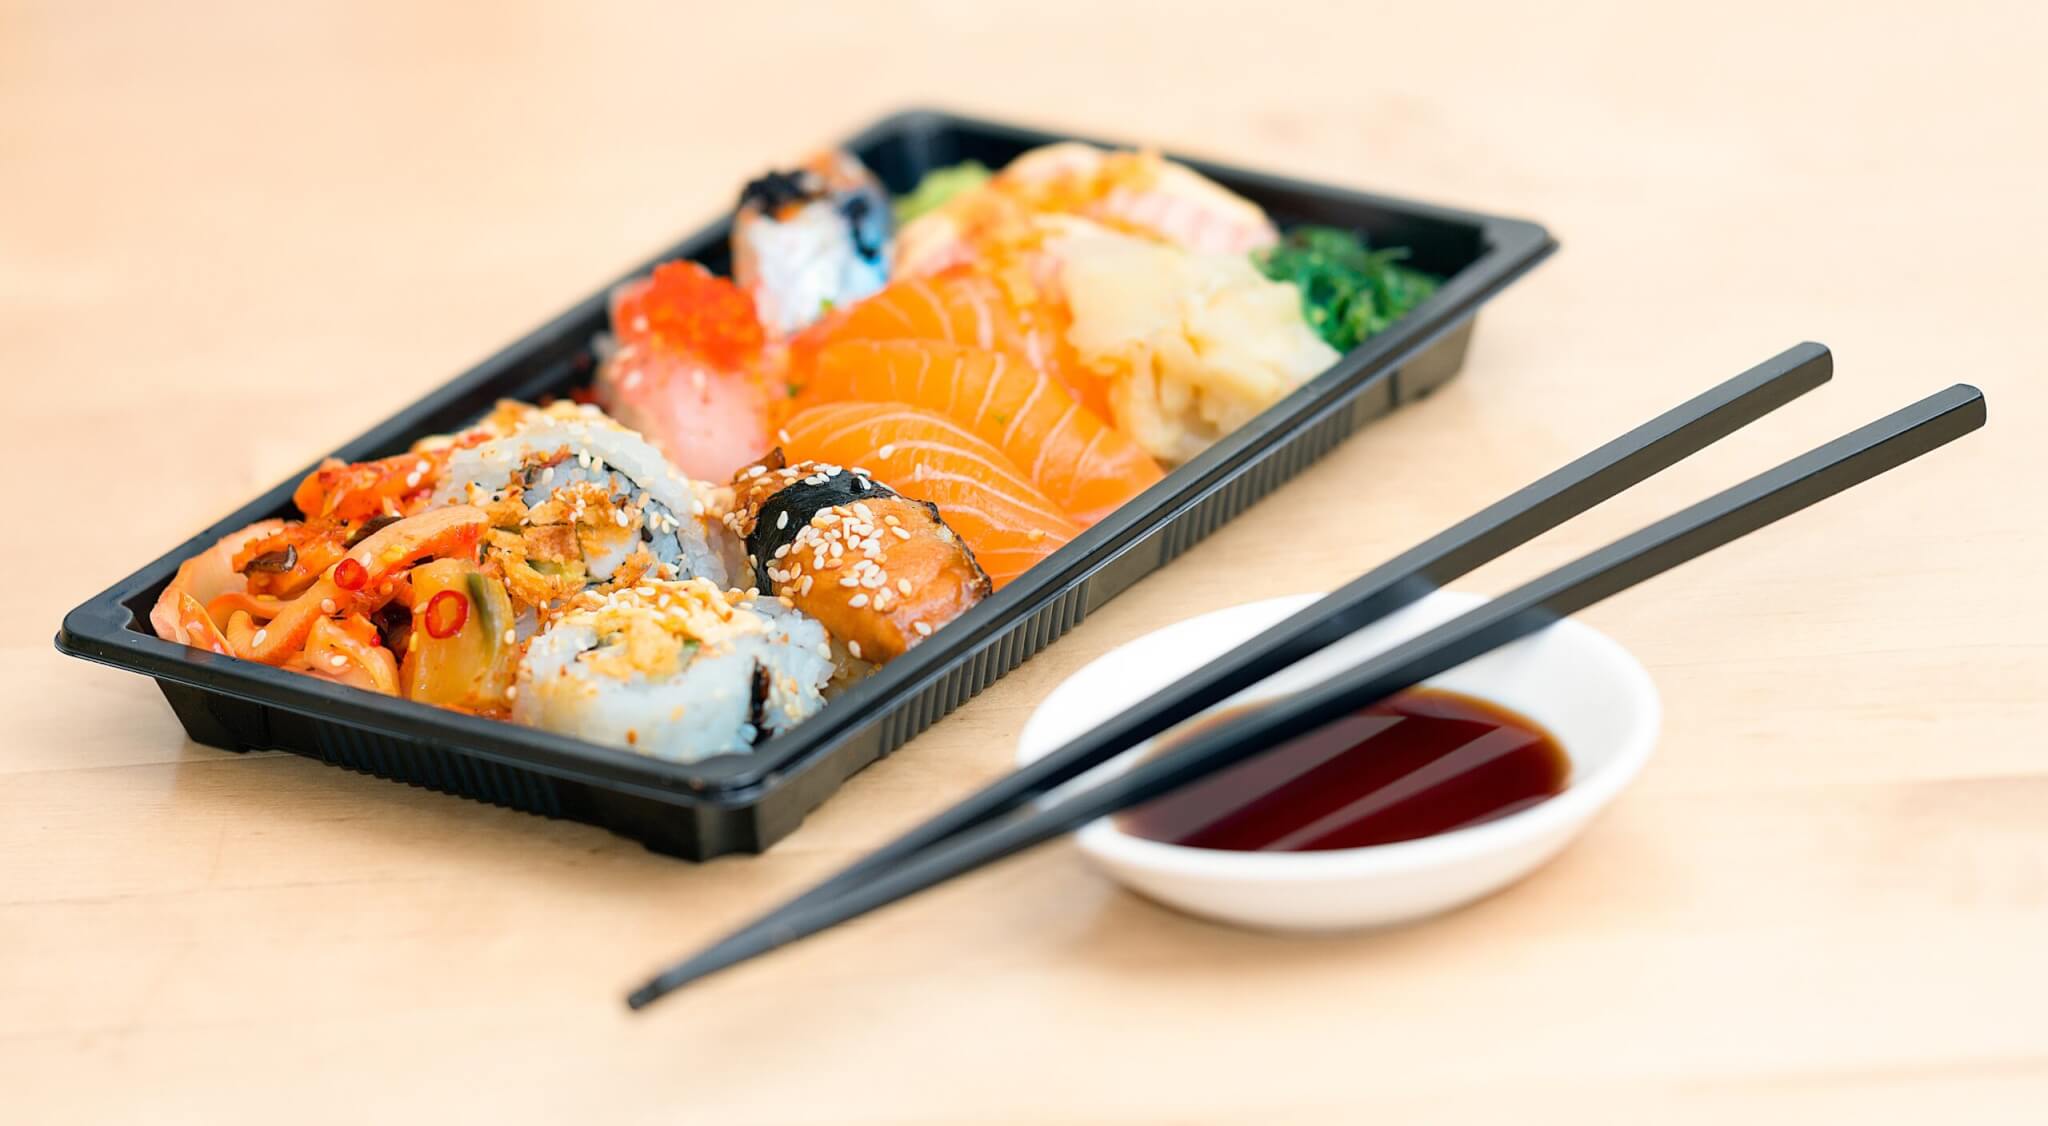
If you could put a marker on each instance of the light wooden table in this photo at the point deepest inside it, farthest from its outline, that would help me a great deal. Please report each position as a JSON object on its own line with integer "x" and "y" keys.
{"x": 231, "y": 239}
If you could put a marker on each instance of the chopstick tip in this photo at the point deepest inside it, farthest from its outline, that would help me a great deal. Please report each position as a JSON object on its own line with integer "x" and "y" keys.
{"x": 698, "y": 966}
{"x": 656, "y": 988}
{"x": 642, "y": 997}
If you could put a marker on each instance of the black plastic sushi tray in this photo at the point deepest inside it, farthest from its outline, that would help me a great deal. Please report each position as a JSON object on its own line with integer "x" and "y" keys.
{"x": 746, "y": 803}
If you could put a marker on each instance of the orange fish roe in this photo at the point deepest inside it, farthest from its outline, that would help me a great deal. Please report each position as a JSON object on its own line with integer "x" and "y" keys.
{"x": 687, "y": 309}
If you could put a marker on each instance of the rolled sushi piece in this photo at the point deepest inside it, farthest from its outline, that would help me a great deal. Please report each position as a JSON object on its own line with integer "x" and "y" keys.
{"x": 577, "y": 500}
{"x": 880, "y": 570}
{"x": 677, "y": 670}
{"x": 811, "y": 239}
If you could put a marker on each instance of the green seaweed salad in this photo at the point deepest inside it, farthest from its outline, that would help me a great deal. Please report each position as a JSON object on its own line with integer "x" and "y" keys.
{"x": 940, "y": 185}
{"x": 1349, "y": 292}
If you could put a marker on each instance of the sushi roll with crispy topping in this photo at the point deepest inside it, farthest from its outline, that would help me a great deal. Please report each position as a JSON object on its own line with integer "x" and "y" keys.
{"x": 678, "y": 670}
{"x": 578, "y": 500}
{"x": 880, "y": 570}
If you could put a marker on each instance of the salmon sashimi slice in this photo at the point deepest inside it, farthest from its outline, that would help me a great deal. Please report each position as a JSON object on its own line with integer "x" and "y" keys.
{"x": 989, "y": 503}
{"x": 1085, "y": 465}
{"x": 961, "y": 306}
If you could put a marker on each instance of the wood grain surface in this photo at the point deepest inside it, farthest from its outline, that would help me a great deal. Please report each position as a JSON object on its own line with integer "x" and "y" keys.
{"x": 232, "y": 237}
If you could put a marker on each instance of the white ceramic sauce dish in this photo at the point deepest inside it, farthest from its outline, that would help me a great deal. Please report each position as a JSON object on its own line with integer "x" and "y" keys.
{"x": 1581, "y": 685}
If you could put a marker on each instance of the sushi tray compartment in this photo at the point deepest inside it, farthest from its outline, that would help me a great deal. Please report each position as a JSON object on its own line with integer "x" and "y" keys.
{"x": 746, "y": 802}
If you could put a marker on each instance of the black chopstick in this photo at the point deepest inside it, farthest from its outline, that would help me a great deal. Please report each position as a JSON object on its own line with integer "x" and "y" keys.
{"x": 1805, "y": 480}
{"x": 1493, "y": 531}
{"x": 1455, "y": 551}
{"x": 1497, "y": 529}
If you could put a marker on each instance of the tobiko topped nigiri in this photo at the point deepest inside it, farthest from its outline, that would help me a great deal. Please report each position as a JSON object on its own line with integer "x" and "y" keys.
{"x": 957, "y": 400}
{"x": 686, "y": 368}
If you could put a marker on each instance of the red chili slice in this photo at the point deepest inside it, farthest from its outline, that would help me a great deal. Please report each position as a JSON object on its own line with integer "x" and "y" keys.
{"x": 447, "y": 612}
{"x": 350, "y": 575}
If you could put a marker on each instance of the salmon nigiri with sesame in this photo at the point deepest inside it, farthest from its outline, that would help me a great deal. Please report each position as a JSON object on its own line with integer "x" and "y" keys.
{"x": 1005, "y": 520}
{"x": 1086, "y": 466}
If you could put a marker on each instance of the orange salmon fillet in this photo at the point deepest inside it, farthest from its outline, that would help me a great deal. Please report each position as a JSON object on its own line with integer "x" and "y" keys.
{"x": 989, "y": 503}
{"x": 1085, "y": 465}
{"x": 959, "y": 306}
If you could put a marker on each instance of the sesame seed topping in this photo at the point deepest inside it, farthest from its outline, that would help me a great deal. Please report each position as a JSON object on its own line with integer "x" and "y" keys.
{"x": 886, "y": 451}
{"x": 782, "y": 520}
{"x": 337, "y": 660}
{"x": 511, "y": 637}
{"x": 850, "y": 580}
{"x": 904, "y": 586}
{"x": 853, "y": 647}
{"x": 857, "y": 601}
{"x": 805, "y": 586}
{"x": 260, "y": 635}
{"x": 900, "y": 533}
{"x": 922, "y": 629}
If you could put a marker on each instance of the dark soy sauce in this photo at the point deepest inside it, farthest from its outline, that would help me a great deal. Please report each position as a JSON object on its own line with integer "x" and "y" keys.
{"x": 1421, "y": 762}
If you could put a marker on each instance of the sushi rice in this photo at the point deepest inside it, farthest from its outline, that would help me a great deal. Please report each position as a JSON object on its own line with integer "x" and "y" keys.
{"x": 680, "y": 670}
{"x": 812, "y": 239}
{"x": 662, "y": 508}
